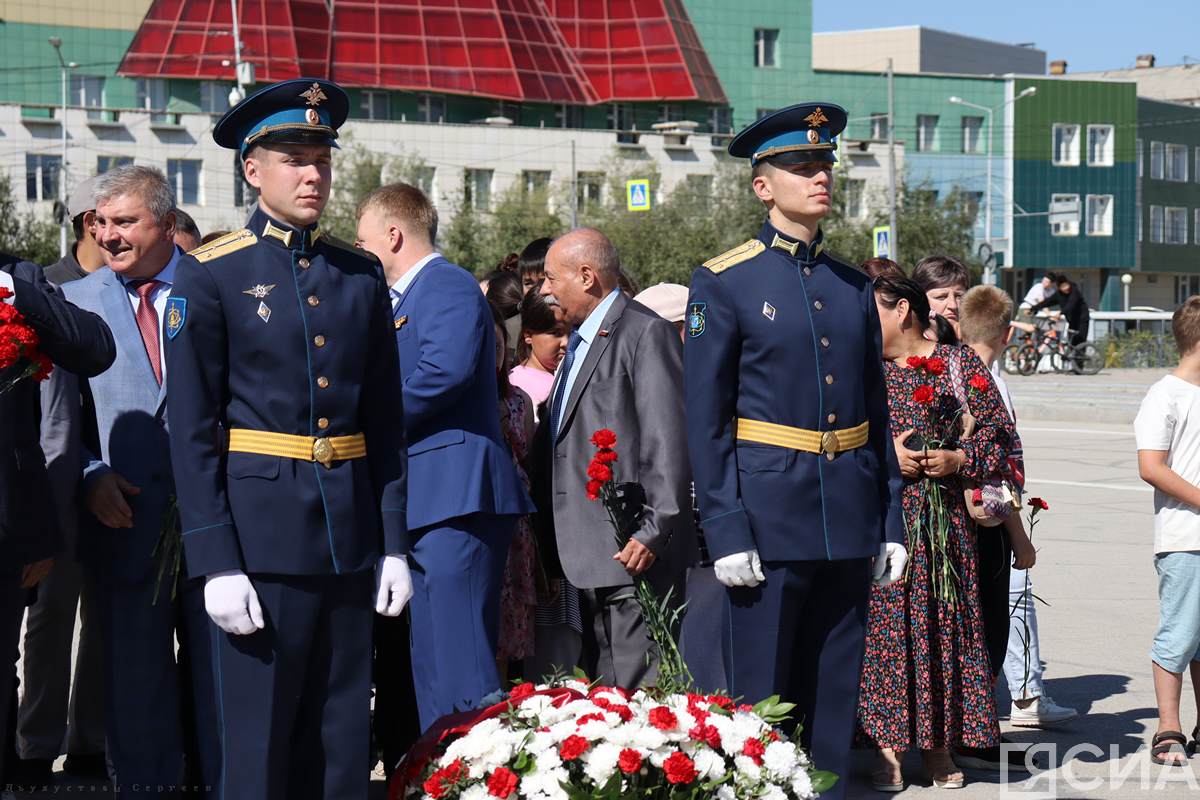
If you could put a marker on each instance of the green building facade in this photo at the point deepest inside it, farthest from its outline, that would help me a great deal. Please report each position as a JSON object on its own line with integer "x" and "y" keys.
{"x": 1168, "y": 202}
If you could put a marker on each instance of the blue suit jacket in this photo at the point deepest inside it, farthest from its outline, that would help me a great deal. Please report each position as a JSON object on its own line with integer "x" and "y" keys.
{"x": 129, "y": 416}
{"x": 458, "y": 461}
{"x": 790, "y": 339}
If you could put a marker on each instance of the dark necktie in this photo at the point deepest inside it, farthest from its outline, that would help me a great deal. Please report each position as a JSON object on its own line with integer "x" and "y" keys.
{"x": 147, "y": 322}
{"x": 560, "y": 391}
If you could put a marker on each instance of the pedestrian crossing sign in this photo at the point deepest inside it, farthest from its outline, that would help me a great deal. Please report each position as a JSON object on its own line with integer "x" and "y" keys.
{"x": 637, "y": 195}
{"x": 883, "y": 241}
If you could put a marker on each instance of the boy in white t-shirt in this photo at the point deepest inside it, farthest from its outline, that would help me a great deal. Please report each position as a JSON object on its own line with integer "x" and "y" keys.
{"x": 1168, "y": 442}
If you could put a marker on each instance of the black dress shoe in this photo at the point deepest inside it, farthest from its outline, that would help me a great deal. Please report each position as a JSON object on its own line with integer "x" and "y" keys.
{"x": 86, "y": 765}
{"x": 29, "y": 771}
{"x": 993, "y": 758}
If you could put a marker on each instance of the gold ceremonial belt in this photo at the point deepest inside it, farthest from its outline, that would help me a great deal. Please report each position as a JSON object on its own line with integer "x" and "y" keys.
{"x": 303, "y": 448}
{"x": 828, "y": 442}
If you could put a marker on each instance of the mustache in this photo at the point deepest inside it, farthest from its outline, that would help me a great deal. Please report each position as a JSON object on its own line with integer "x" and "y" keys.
{"x": 551, "y": 300}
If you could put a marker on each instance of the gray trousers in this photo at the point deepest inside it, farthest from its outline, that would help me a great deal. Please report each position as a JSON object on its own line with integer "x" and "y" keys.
{"x": 56, "y": 710}
{"x": 615, "y": 642}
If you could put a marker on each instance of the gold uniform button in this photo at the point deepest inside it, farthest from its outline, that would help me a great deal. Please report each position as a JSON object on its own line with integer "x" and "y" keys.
{"x": 313, "y": 300}
{"x": 323, "y": 382}
{"x": 832, "y": 418}
{"x": 322, "y": 423}
{"x": 829, "y": 379}
{"x": 303, "y": 263}
{"x": 818, "y": 305}
{"x": 319, "y": 340}
{"x": 824, "y": 341}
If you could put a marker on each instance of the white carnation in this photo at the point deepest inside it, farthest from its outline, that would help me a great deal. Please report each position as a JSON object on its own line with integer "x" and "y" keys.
{"x": 600, "y": 762}
{"x": 746, "y": 767}
{"x": 726, "y": 792}
{"x": 773, "y": 792}
{"x": 545, "y": 783}
{"x": 477, "y": 792}
{"x": 709, "y": 764}
{"x": 802, "y": 785}
{"x": 780, "y": 759}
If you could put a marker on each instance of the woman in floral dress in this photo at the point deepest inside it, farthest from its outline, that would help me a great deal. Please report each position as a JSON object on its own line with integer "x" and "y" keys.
{"x": 926, "y": 681}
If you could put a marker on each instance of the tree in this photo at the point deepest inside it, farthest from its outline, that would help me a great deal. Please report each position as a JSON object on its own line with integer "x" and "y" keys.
{"x": 360, "y": 171}
{"x": 25, "y": 235}
{"x": 478, "y": 240}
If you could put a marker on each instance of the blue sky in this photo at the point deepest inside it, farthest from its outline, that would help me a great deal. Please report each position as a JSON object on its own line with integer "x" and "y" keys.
{"x": 1100, "y": 34}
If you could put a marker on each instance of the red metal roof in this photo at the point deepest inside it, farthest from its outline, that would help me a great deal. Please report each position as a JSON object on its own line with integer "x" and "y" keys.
{"x": 557, "y": 51}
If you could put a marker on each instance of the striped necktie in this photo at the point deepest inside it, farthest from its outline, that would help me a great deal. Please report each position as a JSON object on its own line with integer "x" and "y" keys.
{"x": 560, "y": 391}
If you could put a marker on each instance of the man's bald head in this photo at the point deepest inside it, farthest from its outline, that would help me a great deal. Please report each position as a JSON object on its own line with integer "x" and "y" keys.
{"x": 582, "y": 268}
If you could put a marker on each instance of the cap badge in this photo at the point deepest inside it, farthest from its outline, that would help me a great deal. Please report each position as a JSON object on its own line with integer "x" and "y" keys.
{"x": 813, "y": 136}
{"x": 814, "y": 120}
{"x": 315, "y": 96}
{"x": 312, "y": 117}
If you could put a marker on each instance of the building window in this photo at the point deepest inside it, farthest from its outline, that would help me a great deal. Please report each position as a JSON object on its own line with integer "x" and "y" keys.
{"x": 1176, "y": 225}
{"x": 509, "y": 110}
{"x": 1099, "y": 214}
{"x": 720, "y": 121}
{"x": 184, "y": 176}
{"x": 1139, "y": 222}
{"x": 243, "y": 193}
{"x": 1156, "y": 160}
{"x": 1156, "y": 224}
{"x": 972, "y": 138}
{"x": 879, "y": 126}
{"x": 477, "y": 188}
{"x": 41, "y": 176}
{"x": 766, "y": 41}
{"x": 1066, "y": 145}
{"x": 1177, "y": 163}
{"x": 670, "y": 112}
{"x": 1100, "y": 145}
{"x": 535, "y": 180}
{"x": 214, "y": 97}
{"x": 590, "y": 186}
{"x": 853, "y": 190}
{"x": 926, "y": 132}
{"x": 620, "y": 116}
{"x": 1067, "y": 222}
{"x": 422, "y": 178}
{"x": 1185, "y": 287}
{"x": 153, "y": 95}
{"x": 87, "y": 91}
{"x": 569, "y": 116}
{"x": 1141, "y": 169}
{"x": 432, "y": 108}
{"x": 105, "y": 163}
{"x": 373, "y": 105}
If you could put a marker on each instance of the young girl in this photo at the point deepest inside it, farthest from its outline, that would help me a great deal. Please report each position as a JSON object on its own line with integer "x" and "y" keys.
{"x": 542, "y": 346}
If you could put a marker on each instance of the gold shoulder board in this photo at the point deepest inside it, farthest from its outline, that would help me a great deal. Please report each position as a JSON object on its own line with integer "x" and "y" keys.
{"x": 342, "y": 244}
{"x": 730, "y": 258}
{"x": 229, "y": 243}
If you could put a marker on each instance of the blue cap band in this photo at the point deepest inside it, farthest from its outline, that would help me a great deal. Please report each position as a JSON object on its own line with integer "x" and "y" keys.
{"x": 290, "y": 119}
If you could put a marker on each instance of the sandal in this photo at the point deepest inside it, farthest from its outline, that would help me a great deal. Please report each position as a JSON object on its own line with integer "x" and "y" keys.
{"x": 886, "y": 772}
{"x": 942, "y": 770}
{"x": 1163, "y": 743}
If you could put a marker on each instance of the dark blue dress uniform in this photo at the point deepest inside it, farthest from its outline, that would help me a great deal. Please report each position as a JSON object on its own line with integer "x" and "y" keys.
{"x": 288, "y": 446}
{"x": 790, "y": 448}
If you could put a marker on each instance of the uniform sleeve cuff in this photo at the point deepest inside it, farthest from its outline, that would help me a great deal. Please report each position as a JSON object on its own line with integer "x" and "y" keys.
{"x": 395, "y": 530}
{"x": 728, "y": 533}
{"x": 212, "y": 549}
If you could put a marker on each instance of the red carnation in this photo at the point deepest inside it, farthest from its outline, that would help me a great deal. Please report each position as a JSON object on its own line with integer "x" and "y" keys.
{"x": 755, "y": 749}
{"x": 593, "y": 490}
{"x": 10, "y": 353}
{"x": 679, "y": 768}
{"x": 604, "y": 438}
{"x": 595, "y": 716}
{"x": 441, "y": 781}
{"x": 923, "y": 394}
{"x": 630, "y": 761}
{"x": 663, "y": 718}
{"x": 5, "y": 292}
{"x": 916, "y": 362}
{"x": 599, "y": 472}
{"x": 622, "y": 711}
{"x": 721, "y": 701}
{"x": 1039, "y": 503}
{"x": 606, "y": 456}
{"x": 572, "y": 748}
{"x": 24, "y": 334}
{"x": 978, "y": 383}
{"x": 502, "y": 783}
{"x": 707, "y": 734}
{"x": 521, "y": 691}
{"x": 44, "y": 366}
{"x": 935, "y": 365}
{"x": 9, "y": 313}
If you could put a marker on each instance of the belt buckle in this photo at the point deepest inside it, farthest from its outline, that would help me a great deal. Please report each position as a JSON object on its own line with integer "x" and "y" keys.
{"x": 830, "y": 444}
{"x": 323, "y": 452}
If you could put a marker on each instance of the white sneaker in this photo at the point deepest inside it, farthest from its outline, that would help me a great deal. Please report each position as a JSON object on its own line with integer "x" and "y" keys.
{"x": 1041, "y": 712}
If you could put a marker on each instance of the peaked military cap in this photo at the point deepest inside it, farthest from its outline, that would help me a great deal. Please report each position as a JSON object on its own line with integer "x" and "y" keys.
{"x": 300, "y": 111}
{"x": 792, "y": 135}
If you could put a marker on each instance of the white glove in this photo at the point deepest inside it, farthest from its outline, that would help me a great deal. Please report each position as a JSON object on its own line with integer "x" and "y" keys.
{"x": 393, "y": 585}
{"x": 889, "y": 565}
{"x": 739, "y": 569}
{"x": 230, "y": 599}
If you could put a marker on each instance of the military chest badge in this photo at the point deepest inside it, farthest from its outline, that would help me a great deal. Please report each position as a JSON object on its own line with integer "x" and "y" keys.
{"x": 176, "y": 314}
{"x": 259, "y": 291}
{"x": 264, "y": 312}
{"x": 769, "y": 311}
{"x": 696, "y": 319}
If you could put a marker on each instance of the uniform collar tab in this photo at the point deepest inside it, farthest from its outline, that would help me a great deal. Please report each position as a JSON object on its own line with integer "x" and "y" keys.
{"x": 772, "y": 238}
{"x": 269, "y": 228}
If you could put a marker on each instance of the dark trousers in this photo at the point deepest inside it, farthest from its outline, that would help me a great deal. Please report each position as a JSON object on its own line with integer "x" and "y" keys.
{"x": 294, "y": 698}
{"x": 801, "y": 634}
{"x": 395, "y": 723}
{"x": 457, "y": 570}
{"x": 198, "y": 695}
{"x": 995, "y": 563}
{"x": 615, "y": 640}
{"x": 13, "y": 600}
{"x": 704, "y": 624}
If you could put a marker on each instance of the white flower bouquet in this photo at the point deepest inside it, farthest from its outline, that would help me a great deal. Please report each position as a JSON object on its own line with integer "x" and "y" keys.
{"x": 569, "y": 740}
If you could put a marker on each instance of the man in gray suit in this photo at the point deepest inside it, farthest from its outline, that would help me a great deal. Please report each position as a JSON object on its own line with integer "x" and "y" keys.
{"x": 623, "y": 371}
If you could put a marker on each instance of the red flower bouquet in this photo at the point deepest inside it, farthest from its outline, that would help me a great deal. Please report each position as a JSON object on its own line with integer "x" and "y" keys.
{"x": 19, "y": 355}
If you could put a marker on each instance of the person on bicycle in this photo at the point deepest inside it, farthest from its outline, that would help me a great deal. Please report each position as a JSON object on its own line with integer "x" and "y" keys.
{"x": 1072, "y": 305}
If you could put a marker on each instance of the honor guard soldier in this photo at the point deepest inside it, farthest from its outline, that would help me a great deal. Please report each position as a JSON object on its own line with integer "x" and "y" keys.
{"x": 288, "y": 446}
{"x": 796, "y": 477}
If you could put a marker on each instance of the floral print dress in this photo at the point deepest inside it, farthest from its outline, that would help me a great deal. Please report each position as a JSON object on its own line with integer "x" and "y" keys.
{"x": 518, "y": 594}
{"x": 926, "y": 680}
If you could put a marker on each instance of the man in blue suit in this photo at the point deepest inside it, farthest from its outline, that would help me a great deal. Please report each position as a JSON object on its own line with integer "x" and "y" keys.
{"x": 127, "y": 488}
{"x": 787, "y": 418}
{"x": 464, "y": 491}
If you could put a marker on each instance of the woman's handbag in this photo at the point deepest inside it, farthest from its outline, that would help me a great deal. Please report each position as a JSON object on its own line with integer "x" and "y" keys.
{"x": 991, "y": 501}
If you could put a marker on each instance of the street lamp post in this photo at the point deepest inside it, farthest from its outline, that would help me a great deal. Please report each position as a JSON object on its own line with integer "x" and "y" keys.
{"x": 989, "y": 276}
{"x": 56, "y": 43}
{"x": 1126, "y": 279}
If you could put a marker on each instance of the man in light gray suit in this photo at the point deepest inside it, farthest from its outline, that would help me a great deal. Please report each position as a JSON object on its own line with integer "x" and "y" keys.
{"x": 623, "y": 371}
{"x": 127, "y": 488}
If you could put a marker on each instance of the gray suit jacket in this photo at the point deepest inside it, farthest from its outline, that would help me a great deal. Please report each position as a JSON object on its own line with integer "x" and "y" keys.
{"x": 631, "y": 382}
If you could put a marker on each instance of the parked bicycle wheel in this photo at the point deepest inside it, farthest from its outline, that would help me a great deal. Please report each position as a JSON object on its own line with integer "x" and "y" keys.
{"x": 1010, "y": 359}
{"x": 1086, "y": 359}
{"x": 1060, "y": 357}
{"x": 1027, "y": 359}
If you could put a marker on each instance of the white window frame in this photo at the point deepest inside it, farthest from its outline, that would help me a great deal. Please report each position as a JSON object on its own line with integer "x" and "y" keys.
{"x": 855, "y": 190}
{"x": 1106, "y": 152}
{"x": 1063, "y": 229}
{"x": 1140, "y": 155}
{"x": 879, "y": 126}
{"x": 1106, "y": 228}
{"x": 1168, "y": 173}
{"x": 1139, "y": 222}
{"x": 175, "y": 173}
{"x": 587, "y": 182}
{"x": 927, "y": 144}
{"x": 1156, "y": 224}
{"x": 569, "y": 115}
{"x": 1156, "y": 161}
{"x": 766, "y": 48}
{"x": 472, "y": 184}
{"x": 214, "y": 97}
{"x": 368, "y": 101}
{"x": 1071, "y": 158}
{"x": 40, "y": 166}
{"x": 87, "y": 91}
{"x": 978, "y": 130}
{"x": 431, "y": 105}
{"x": 153, "y": 95}
{"x": 1174, "y": 212}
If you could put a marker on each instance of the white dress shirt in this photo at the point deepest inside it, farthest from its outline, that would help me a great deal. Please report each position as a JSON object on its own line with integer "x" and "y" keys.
{"x": 404, "y": 281}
